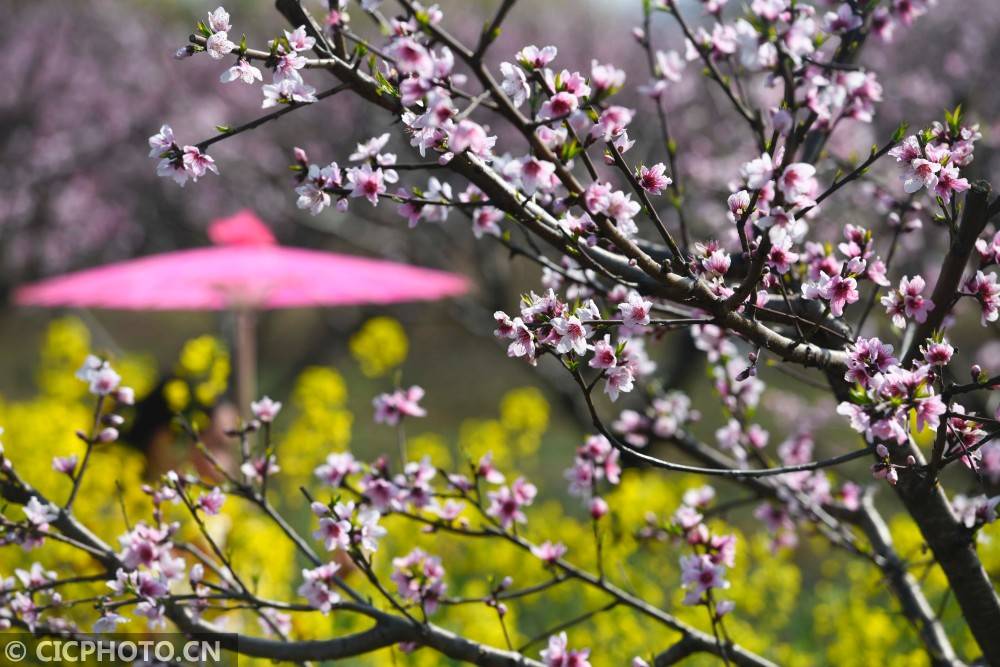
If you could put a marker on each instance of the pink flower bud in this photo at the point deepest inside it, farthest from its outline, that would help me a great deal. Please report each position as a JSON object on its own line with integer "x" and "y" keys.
{"x": 111, "y": 419}
{"x": 976, "y": 371}
{"x": 64, "y": 464}
{"x": 125, "y": 395}
{"x": 910, "y": 460}
{"x": 882, "y": 451}
{"x": 892, "y": 476}
{"x": 598, "y": 508}
{"x": 108, "y": 434}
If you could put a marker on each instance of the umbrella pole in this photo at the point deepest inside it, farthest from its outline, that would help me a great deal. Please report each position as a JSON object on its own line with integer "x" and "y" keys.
{"x": 246, "y": 359}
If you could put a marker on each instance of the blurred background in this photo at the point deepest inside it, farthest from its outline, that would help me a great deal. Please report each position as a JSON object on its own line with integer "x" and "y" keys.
{"x": 89, "y": 81}
{"x": 77, "y": 190}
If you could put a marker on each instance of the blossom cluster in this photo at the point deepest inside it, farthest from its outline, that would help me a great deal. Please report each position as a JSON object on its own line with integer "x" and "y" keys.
{"x": 934, "y": 157}
{"x": 889, "y": 395}
{"x": 703, "y": 572}
{"x": 548, "y": 324}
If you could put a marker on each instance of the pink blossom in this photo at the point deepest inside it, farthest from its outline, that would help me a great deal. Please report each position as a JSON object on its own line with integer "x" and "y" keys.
{"x": 391, "y": 408}
{"x": 921, "y": 173}
{"x": 929, "y": 411}
{"x": 471, "y": 136}
{"x": 717, "y": 262}
{"x": 699, "y": 574}
{"x": 739, "y": 203}
{"x": 265, "y": 409}
{"x": 370, "y": 149}
{"x": 412, "y": 57}
{"x": 548, "y": 551}
{"x": 572, "y": 335}
{"x": 523, "y": 344}
{"x": 557, "y": 654}
{"x": 218, "y": 45}
{"x": 985, "y": 289}
{"x": 604, "y": 354}
{"x": 937, "y": 353}
{"x": 485, "y": 221}
{"x": 299, "y": 39}
{"x": 533, "y": 57}
{"x": 635, "y": 310}
{"x": 334, "y": 532}
{"x": 989, "y": 251}
{"x": 366, "y": 182}
{"x": 598, "y": 508}
{"x": 162, "y": 142}
{"x": 65, "y": 464}
{"x": 619, "y": 379}
{"x": 243, "y": 71}
{"x": 317, "y": 587}
{"x": 537, "y": 175}
{"x": 196, "y": 163}
{"x": 505, "y": 506}
{"x": 611, "y": 123}
{"x": 949, "y": 182}
{"x": 654, "y": 179}
{"x": 287, "y": 91}
{"x": 606, "y": 77}
{"x": 337, "y": 468}
{"x": 559, "y": 105}
{"x": 256, "y": 468}
{"x": 419, "y": 578}
{"x": 843, "y": 20}
{"x": 839, "y": 291}
{"x": 104, "y": 380}
{"x": 798, "y": 183}
{"x": 908, "y": 301}
{"x": 515, "y": 84}
{"x": 211, "y": 503}
{"x": 488, "y": 471}
{"x": 218, "y": 20}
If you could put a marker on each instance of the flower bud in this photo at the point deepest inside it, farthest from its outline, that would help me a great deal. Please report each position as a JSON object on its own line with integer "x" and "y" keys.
{"x": 125, "y": 395}
{"x": 598, "y": 508}
{"x": 976, "y": 371}
{"x": 882, "y": 451}
{"x": 111, "y": 419}
{"x": 108, "y": 434}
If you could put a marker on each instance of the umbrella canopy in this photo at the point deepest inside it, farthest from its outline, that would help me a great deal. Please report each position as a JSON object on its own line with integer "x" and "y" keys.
{"x": 245, "y": 269}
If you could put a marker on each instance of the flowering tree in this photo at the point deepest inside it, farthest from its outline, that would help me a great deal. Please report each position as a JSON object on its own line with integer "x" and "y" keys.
{"x": 751, "y": 284}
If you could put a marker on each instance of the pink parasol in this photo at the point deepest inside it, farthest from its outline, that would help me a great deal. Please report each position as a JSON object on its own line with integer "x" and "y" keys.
{"x": 245, "y": 271}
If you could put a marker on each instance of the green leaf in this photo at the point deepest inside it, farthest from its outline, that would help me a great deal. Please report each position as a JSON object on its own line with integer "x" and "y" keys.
{"x": 900, "y": 132}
